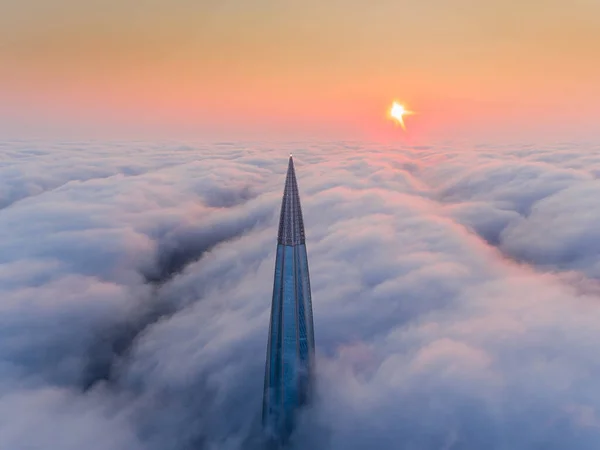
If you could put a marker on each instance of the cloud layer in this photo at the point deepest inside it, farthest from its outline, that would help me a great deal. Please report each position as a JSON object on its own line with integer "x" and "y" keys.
{"x": 455, "y": 294}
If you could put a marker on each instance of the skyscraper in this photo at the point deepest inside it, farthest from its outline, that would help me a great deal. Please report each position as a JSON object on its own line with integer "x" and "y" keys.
{"x": 291, "y": 344}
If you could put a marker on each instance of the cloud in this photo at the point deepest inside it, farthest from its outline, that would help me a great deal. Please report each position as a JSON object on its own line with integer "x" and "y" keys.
{"x": 454, "y": 292}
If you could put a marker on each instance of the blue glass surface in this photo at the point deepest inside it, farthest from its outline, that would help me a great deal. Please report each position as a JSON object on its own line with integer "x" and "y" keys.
{"x": 289, "y": 353}
{"x": 290, "y": 349}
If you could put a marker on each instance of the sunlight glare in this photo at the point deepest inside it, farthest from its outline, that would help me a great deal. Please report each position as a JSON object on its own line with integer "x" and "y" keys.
{"x": 397, "y": 112}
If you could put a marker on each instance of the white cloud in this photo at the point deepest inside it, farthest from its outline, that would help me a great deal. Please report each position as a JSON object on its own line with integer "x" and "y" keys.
{"x": 451, "y": 290}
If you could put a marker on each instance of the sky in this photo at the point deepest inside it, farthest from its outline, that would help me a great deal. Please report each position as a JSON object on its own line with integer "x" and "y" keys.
{"x": 455, "y": 292}
{"x": 267, "y": 69}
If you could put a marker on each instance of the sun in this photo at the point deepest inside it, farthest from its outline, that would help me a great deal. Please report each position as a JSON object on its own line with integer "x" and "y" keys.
{"x": 397, "y": 112}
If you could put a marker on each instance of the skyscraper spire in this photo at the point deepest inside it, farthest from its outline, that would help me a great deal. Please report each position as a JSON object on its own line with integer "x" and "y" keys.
{"x": 291, "y": 344}
{"x": 291, "y": 225}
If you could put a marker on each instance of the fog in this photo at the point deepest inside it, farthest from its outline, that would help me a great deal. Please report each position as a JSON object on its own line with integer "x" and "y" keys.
{"x": 455, "y": 294}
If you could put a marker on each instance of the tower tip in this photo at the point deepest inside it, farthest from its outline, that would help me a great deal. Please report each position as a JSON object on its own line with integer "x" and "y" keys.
{"x": 291, "y": 226}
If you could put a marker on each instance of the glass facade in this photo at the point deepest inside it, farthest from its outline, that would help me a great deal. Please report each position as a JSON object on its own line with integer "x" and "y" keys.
{"x": 291, "y": 344}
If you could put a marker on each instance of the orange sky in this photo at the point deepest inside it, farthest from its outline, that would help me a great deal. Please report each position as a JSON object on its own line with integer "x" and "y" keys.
{"x": 263, "y": 68}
